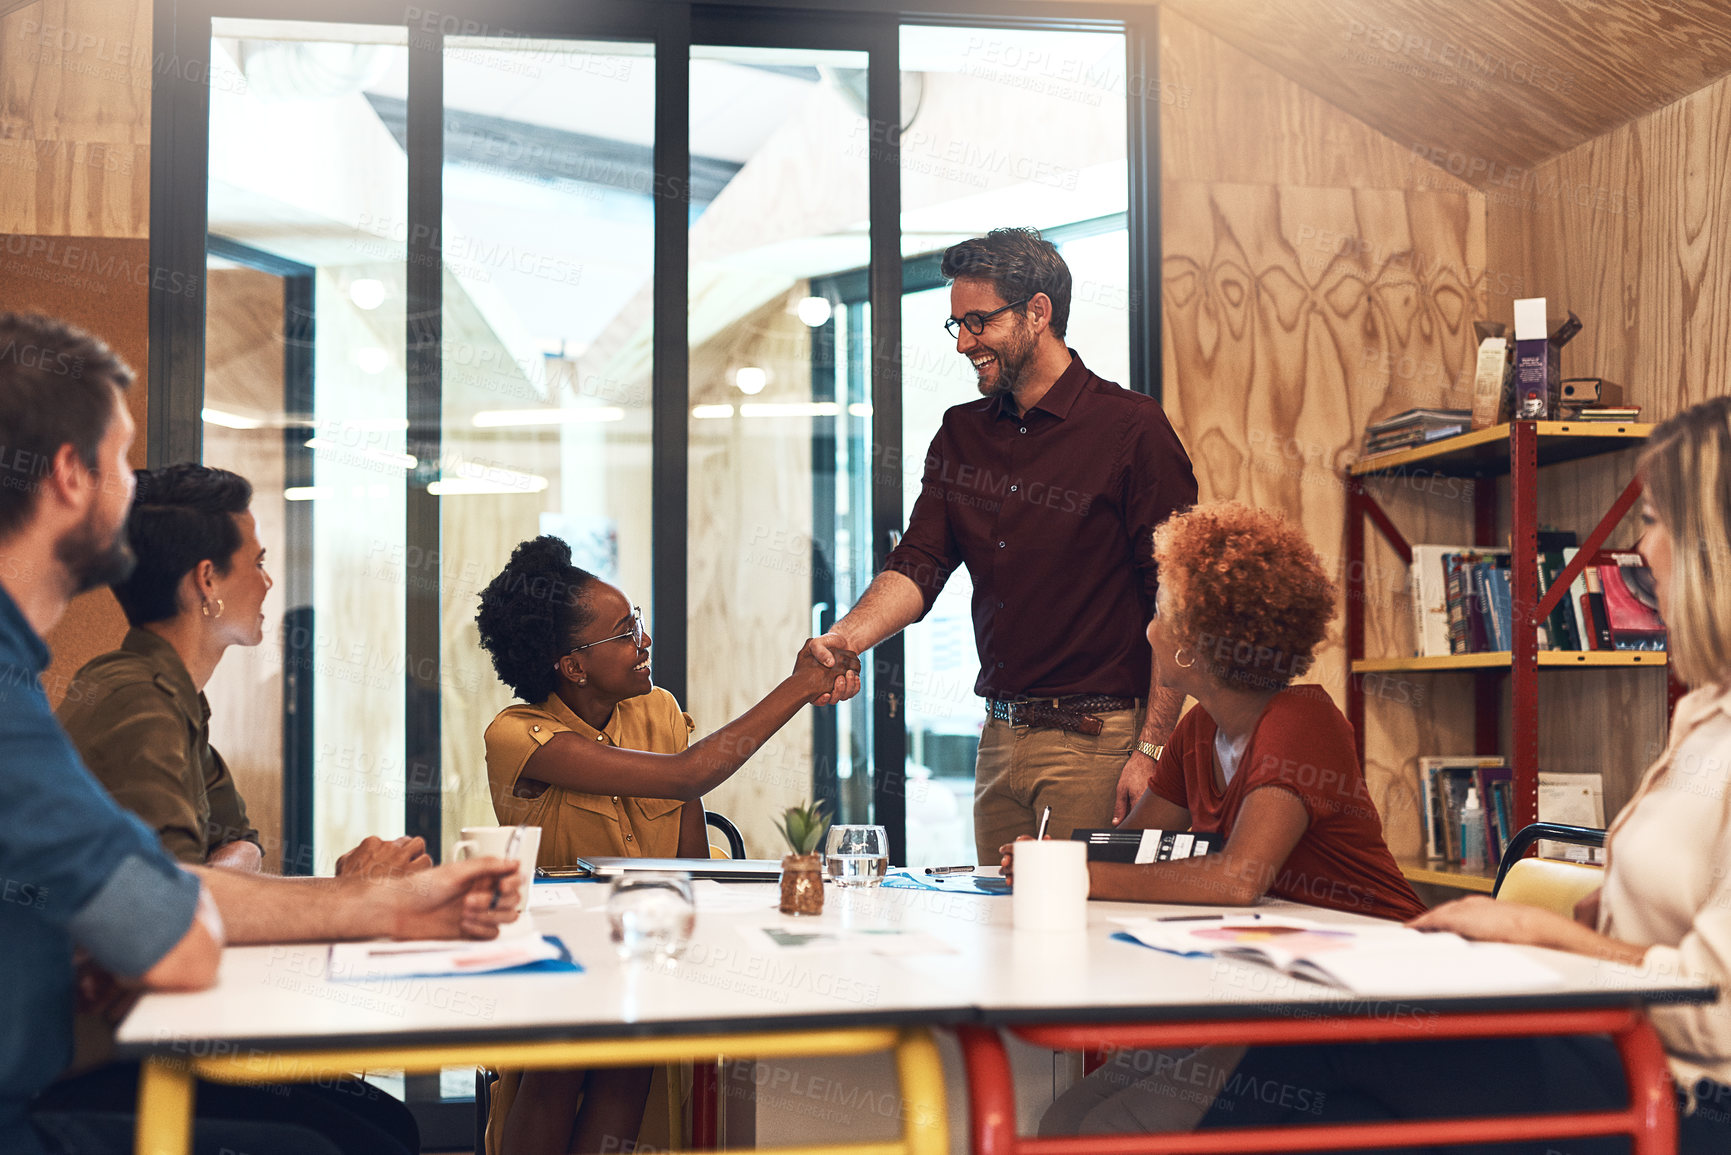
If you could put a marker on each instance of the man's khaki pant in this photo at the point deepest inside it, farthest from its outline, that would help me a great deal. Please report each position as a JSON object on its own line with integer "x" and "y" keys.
{"x": 1022, "y": 770}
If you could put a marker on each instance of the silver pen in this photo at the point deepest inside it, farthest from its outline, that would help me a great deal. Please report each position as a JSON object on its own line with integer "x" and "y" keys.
{"x": 1045, "y": 821}
{"x": 947, "y": 869}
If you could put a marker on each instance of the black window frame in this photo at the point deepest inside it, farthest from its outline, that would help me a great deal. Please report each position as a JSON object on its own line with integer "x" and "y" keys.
{"x": 179, "y": 181}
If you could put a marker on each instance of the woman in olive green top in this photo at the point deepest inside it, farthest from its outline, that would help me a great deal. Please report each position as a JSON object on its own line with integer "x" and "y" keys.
{"x": 138, "y": 714}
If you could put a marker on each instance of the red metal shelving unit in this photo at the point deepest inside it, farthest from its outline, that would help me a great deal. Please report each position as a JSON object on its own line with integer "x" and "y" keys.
{"x": 1518, "y": 450}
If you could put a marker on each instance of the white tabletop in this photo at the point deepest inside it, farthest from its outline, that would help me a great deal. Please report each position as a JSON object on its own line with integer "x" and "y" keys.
{"x": 734, "y": 979}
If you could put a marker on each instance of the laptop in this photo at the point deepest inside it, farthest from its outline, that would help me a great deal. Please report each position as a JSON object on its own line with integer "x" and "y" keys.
{"x": 720, "y": 869}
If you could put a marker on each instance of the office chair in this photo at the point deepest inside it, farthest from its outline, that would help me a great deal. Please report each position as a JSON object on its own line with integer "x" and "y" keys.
{"x": 1548, "y": 883}
{"x": 723, "y": 824}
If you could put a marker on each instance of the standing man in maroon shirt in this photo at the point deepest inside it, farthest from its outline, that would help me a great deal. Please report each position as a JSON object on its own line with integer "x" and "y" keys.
{"x": 1048, "y": 489}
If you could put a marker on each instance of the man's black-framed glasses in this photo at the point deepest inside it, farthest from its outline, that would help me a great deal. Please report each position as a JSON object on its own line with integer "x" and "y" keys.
{"x": 976, "y": 321}
{"x": 635, "y": 633}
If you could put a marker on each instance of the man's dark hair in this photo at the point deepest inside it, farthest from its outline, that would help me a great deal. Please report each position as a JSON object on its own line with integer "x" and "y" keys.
{"x": 181, "y": 515}
{"x": 54, "y": 390}
{"x": 1018, "y": 263}
{"x": 530, "y": 613}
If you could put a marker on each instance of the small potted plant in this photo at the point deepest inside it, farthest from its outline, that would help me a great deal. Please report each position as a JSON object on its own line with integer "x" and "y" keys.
{"x": 802, "y": 869}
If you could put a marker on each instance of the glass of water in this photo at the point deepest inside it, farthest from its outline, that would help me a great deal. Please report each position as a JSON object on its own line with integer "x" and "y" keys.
{"x": 857, "y": 855}
{"x": 651, "y": 913}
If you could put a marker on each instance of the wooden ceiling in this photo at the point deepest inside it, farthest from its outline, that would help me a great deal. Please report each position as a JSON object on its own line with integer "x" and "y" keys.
{"x": 1483, "y": 87}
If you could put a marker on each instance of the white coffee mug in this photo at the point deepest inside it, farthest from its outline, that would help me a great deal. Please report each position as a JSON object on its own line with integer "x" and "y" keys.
{"x": 1050, "y": 889}
{"x": 522, "y": 843}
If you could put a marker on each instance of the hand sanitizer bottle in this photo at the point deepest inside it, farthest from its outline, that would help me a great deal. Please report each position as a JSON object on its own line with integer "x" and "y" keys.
{"x": 1472, "y": 832}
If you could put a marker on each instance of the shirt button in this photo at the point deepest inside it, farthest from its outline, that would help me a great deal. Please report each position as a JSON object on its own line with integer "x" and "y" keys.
{"x": 1013, "y": 488}
{"x": 1000, "y": 545}
{"x": 616, "y": 798}
{"x": 1000, "y": 665}
{"x": 1024, "y": 429}
{"x": 628, "y": 838}
{"x": 1000, "y": 605}
{"x": 601, "y": 737}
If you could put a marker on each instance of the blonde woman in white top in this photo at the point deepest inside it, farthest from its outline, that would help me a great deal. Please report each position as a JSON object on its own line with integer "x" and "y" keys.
{"x": 1666, "y": 901}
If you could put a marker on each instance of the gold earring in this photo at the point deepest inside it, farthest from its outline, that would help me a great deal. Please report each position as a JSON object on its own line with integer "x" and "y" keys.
{"x": 581, "y": 680}
{"x": 1183, "y": 665}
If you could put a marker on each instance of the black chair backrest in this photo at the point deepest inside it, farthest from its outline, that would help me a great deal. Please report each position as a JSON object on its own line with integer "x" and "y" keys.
{"x": 735, "y": 843}
{"x": 1555, "y": 832}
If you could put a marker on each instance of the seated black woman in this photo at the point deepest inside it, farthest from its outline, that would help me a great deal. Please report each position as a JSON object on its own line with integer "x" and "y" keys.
{"x": 596, "y": 756}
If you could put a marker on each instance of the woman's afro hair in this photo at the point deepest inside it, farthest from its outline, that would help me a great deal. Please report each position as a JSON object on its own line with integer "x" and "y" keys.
{"x": 1245, "y": 591}
{"x": 530, "y": 612}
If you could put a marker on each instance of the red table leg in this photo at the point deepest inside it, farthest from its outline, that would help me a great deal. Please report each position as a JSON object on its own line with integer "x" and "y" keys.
{"x": 991, "y": 1091}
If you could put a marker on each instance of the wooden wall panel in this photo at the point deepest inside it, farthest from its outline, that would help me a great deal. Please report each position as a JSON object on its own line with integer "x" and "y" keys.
{"x": 1495, "y": 86}
{"x": 89, "y": 282}
{"x": 75, "y": 79}
{"x": 1635, "y": 242}
{"x": 244, "y": 374}
{"x": 1314, "y": 283}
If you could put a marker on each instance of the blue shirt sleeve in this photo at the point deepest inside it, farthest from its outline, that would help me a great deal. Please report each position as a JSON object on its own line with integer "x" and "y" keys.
{"x": 87, "y": 866}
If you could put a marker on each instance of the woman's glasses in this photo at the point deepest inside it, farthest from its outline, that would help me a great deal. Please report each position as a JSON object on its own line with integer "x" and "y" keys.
{"x": 635, "y": 633}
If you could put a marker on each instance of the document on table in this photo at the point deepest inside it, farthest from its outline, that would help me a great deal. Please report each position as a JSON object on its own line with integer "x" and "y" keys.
{"x": 363, "y": 961}
{"x": 885, "y": 941}
{"x": 1366, "y": 960}
{"x": 567, "y": 895}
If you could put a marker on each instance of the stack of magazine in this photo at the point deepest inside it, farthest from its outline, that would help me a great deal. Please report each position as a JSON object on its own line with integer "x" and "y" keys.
{"x": 1415, "y": 427}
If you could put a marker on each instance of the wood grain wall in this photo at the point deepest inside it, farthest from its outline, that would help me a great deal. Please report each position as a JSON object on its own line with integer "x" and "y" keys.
{"x": 1317, "y": 278}
{"x": 74, "y": 205}
{"x": 1631, "y": 232}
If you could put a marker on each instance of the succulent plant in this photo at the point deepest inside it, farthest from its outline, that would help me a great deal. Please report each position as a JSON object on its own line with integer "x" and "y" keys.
{"x": 803, "y": 826}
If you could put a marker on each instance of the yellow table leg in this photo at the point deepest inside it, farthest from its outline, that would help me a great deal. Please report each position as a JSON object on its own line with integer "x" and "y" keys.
{"x": 165, "y": 1092}
{"x": 926, "y": 1125}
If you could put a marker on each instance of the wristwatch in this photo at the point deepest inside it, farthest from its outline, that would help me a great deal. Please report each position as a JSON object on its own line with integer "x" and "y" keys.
{"x": 1151, "y": 750}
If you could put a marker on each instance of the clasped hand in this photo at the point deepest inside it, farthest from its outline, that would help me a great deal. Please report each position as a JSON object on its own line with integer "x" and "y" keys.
{"x": 829, "y": 669}
{"x": 833, "y": 657}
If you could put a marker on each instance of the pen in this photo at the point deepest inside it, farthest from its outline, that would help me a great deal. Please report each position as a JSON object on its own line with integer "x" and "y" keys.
{"x": 1203, "y": 917}
{"x": 510, "y": 852}
{"x": 1045, "y": 820}
{"x": 947, "y": 869}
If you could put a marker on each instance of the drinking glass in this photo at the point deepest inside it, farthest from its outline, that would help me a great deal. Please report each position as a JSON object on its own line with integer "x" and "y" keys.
{"x": 651, "y": 913}
{"x": 857, "y": 855}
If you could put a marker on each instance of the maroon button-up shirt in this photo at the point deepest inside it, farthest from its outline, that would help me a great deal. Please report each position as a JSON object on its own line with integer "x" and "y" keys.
{"x": 1053, "y": 513}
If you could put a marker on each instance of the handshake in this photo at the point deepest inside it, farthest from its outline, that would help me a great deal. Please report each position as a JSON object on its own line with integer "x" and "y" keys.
{"x": 826, "y": 670}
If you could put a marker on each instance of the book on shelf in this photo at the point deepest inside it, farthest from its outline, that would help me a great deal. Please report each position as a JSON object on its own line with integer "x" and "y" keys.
{"x": 1573, "y": 799}
{"x": 1430, "y": 602}
{"x": 1443, "y": 782}
{"x": 1496, "y": 795}
{"x": 1601, "y": 413}
{"x": 1415, "y": 427}
{"x": 1631, "y": 599}
{"x": 1467, "y": 583}
{"x": 1366, "y": 960}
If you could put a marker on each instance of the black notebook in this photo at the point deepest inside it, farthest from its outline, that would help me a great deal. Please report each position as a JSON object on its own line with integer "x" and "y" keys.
{"x": 1138, "y": 846}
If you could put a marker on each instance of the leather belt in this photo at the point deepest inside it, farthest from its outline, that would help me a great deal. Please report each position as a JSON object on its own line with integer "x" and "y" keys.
{"x": 1076, "y": 713}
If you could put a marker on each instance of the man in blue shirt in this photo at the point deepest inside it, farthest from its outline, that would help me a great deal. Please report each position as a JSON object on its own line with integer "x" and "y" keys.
{"x": 76, "y": 870}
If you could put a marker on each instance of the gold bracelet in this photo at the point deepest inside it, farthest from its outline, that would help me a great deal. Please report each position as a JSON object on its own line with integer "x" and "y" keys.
{"x": 1151, "y": 750}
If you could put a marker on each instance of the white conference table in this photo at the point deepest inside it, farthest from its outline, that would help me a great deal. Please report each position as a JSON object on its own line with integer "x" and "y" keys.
{"x": 274, "y": 1015}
